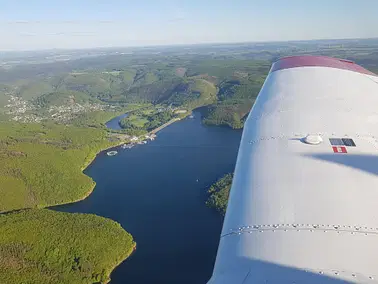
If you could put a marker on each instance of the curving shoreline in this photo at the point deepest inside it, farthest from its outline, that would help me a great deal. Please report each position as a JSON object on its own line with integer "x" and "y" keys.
{"x": 122, "y": 193}
{"x": 90, "y": 160}
{"x": 133, "y": 249}
{"x": 87, "y": 163}
{"x": 120, "y": 262}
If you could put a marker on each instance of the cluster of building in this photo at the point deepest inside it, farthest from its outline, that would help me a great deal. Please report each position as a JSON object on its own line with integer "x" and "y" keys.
{"x": 20, "y": 110}
{"x": 146, "y": 137}
{"x": 16, "y": 105}
{"x": 65, "y": 113}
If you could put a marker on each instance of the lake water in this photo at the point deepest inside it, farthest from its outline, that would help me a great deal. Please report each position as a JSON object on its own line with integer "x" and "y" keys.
{"x": 157, "y": 192}
{"x": 114, "y": 123}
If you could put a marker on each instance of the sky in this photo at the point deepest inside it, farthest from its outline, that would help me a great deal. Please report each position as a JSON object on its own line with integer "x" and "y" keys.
{"x": 46, "y": 24}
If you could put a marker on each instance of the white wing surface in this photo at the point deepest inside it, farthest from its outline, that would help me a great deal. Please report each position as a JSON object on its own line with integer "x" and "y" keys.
{"x": 305, "y": 210}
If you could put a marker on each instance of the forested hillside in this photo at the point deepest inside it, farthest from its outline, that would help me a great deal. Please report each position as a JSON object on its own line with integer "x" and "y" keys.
{"x": 43, "y": 163}
{"x": 47, "y": 247}
{"x": 226, "y": 79}
{"x": 52, "y": 124}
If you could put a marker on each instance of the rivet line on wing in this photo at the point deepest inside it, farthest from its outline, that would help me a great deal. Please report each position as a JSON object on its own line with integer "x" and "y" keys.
{"x": 302, "y": 227}
{"x": 302, "y": 135}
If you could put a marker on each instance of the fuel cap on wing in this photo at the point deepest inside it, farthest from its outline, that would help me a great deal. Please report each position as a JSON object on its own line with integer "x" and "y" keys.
{"x": 313, "y": 139}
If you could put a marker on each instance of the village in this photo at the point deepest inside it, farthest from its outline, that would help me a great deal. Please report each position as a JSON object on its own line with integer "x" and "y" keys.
{"x": 28, "y": 111}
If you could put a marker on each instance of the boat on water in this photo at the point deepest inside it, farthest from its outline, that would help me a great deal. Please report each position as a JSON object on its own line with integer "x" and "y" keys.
{"x": 112, "y": 153}
{"x": 127, "y": 146}
{"x": 191, "y": 116}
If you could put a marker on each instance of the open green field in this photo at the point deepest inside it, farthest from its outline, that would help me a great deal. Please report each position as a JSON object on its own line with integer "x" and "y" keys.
{"x": 142, "y": 121}
{"x": 47, "y": 247}
{"x": 204, "y": 93}
{"x": 138, "y": 121}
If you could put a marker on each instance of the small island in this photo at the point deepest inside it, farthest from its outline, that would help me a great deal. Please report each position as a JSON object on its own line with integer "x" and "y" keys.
{"x": 219, "y": 193}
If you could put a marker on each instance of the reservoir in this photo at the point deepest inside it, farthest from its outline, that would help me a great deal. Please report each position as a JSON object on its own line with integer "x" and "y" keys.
{"x": 157, "y": 192}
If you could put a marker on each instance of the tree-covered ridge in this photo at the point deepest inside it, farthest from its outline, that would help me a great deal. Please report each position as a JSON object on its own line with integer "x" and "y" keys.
{"x": 42, "y": 163}
{"x": 225, "y": 78}
{"x": 63, "y": 98}
{"x": 43, "y": 246}
{"x": 219, "y": 193}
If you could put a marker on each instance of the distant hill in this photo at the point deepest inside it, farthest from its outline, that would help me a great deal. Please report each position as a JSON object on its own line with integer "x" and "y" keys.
{"x": 226, "y": 78}
{"x": 64, "y": 98}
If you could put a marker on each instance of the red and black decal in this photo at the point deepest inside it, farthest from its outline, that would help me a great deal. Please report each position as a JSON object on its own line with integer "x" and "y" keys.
{"x": 339, "y": 149}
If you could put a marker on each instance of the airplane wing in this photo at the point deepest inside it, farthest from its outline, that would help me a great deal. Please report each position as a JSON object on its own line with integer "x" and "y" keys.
{"x": 303, "y": 205}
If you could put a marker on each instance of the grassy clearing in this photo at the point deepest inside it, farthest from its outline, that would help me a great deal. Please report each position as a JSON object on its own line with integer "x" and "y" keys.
{"x": 138, "y": 121}
{"x": 207, "y": 93}
{"x": 43, "y": 246}
{"x": 114, "y": 73}
{"x": 128, "y": 75}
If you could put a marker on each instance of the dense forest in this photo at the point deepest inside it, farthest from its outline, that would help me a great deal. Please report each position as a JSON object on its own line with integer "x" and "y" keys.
{"x": 43, "y": 163}
{"x": 219, "y": 192}
{"x": 43, "y": 246}
{"x": 42, "y": 166}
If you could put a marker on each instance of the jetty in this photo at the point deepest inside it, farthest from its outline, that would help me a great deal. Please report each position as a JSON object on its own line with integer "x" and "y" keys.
{"x": 164, "y": 125}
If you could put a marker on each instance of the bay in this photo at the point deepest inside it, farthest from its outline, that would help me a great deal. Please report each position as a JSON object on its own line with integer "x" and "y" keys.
{"x": 157, "y": 192}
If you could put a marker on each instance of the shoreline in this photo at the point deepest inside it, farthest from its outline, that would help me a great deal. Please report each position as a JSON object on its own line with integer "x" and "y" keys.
{"x": 88, "y": 162}
{"x": 120, "y": 262}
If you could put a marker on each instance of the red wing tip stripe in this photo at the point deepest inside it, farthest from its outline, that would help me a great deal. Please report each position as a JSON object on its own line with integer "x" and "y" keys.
{"x": 318, "y": 61}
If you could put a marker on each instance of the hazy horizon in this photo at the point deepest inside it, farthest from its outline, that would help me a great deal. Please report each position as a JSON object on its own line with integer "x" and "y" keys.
{"x": 86, "y": 24}
{"x": 185, "y": 44}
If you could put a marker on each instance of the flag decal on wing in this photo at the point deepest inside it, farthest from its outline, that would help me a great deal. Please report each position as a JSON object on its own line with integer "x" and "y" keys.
{"x": 339, "y": 149}
{"x": 339, "y": 145}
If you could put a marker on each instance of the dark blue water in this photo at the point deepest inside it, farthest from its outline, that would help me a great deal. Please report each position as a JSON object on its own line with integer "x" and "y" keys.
{"x": 157, "y": 192}
{"x": 114, "y": 123}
